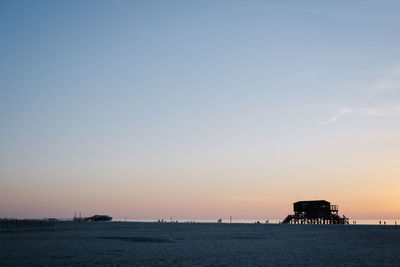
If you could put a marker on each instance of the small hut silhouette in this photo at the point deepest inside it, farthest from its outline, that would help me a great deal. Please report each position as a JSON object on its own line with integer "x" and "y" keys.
{"x": 315, "y": 212}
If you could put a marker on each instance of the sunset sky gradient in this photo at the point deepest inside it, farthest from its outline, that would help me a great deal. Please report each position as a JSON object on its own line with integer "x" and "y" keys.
{"x": 199, "y": 109}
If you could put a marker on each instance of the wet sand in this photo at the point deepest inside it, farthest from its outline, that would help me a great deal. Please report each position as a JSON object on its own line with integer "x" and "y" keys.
{"x": 184, "y": 244}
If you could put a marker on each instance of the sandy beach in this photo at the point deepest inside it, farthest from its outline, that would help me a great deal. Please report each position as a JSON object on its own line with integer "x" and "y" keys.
{"x": 199, "y": 244}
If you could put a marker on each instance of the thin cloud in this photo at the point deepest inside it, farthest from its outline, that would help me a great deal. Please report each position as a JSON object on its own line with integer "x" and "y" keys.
{"x": 338, "y": 115}
{"x": 389, "y": 82}
{"x": 384, "y": 85}
{"x": 363, "y": 111}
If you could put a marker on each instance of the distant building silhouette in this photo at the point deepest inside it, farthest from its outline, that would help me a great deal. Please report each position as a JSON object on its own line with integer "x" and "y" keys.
{"x": 98, "y": 218}
{"x": 315, "y": 212}
{"x": 95, "y": 218}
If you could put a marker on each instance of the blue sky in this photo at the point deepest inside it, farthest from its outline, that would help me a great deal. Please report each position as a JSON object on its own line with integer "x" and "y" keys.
{"x": 208, "y": 101}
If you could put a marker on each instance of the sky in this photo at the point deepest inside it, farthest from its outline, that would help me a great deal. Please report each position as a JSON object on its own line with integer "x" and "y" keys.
{"x": 199, "y": 109}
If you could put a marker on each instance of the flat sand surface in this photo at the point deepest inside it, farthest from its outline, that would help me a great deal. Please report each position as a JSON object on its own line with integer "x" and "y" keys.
{"x": 199, "y": 244}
